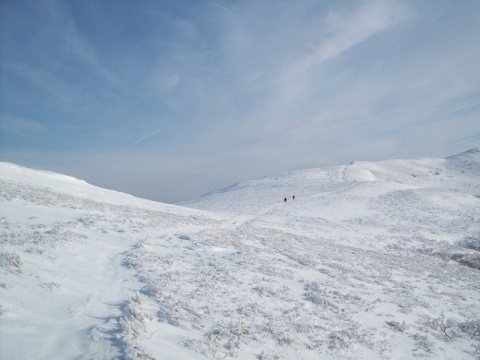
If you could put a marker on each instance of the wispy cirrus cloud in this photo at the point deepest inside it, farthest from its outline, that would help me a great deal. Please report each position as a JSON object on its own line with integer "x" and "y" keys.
{"x": 271, "y": 67}
{"x": 13, "y": 125}
{"x": 54, "y": 54}
{"x": 146, "y": 136}
{"x": 344, "y": 28}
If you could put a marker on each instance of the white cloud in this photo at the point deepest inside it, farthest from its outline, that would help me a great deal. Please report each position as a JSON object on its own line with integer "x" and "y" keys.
{"x": 161, "y": 83}
{"x": 146, "y": 136}
{"x": 10, "y": 124}
{"x": 280, "y": 65}
{"x": 346, "y": 28}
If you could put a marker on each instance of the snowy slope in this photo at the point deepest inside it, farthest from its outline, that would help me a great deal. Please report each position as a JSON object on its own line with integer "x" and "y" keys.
{"x": 373, "y": 260}
{"x": 65, "y": 283}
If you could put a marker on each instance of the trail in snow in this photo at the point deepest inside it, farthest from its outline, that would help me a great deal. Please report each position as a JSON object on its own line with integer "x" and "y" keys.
{"x": 66, "y": 287}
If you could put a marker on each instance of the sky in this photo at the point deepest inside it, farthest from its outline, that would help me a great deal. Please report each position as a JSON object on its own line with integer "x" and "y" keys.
{"x": 168, "y": 100}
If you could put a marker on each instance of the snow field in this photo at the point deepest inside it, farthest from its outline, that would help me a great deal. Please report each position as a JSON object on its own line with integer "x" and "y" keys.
{"x": 370, "y": 261}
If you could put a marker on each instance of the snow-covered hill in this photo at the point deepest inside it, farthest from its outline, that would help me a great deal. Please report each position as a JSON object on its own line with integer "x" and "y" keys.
{"x": 372, "y": 260}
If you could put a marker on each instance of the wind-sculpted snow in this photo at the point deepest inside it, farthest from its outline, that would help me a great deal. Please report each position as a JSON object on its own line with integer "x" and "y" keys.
{"x": 370, "y": 261}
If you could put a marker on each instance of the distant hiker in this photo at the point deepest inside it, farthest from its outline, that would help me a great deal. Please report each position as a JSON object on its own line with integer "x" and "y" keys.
{"x": 285, "y": 199}
{"x": 293, "y": 197}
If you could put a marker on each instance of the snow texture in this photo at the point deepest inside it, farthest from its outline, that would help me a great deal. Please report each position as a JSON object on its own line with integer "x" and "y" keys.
{"x": 372, "y": 260}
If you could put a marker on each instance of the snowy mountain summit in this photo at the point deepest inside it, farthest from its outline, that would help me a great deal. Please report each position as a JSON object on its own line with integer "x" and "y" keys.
{"x": 371, "y": 260}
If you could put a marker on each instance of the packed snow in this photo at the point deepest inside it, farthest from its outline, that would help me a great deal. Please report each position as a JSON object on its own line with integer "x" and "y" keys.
{"x": 372, "y": 260}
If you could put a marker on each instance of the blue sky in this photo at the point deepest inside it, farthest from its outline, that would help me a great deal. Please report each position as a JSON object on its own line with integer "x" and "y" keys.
{"x": 168, "y": 100}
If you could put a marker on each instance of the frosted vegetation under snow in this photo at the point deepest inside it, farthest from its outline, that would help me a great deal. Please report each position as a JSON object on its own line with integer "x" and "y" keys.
{"x": 373, "y": 260}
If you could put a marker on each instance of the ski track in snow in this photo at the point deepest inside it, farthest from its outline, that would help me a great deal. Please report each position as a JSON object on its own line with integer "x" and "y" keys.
{"x": 372, "y": 260}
